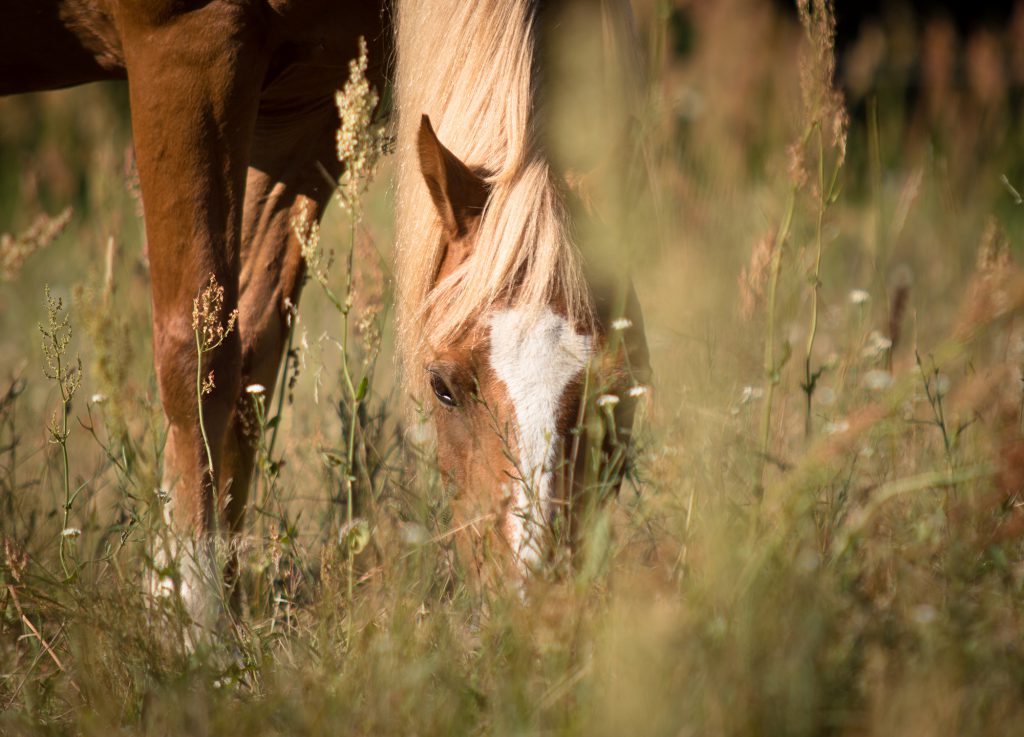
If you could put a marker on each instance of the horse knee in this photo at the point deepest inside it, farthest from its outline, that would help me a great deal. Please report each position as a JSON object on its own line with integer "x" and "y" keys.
{"x": 188, "y": 375}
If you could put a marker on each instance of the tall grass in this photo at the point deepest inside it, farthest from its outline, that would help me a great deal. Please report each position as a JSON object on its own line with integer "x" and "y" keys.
{"x": 819, "y": 533}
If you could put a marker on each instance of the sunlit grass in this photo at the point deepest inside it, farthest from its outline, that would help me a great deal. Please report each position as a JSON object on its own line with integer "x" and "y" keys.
{"x": 847, "y": 561}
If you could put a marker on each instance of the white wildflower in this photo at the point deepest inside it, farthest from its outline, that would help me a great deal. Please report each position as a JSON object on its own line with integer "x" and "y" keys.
{"x": 98, "y": 398}
{"x": 413, "y": 534}
{"x": 256, "y": 389}
{"x": 622, "y": 323}
{"x": 750, "y": 394}
{"x": 639, "y": 390}
{"x": 877, "y": 345}
{"x": 71, "y": 532}
{"x": 859, "y": 297}
{"x": 836, "y": 427}
{"x": 877, "y": 379}
{"x": 607, "y": 400}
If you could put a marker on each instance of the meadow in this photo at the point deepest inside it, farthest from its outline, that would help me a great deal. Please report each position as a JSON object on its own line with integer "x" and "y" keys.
{"x": 821, "y": 529}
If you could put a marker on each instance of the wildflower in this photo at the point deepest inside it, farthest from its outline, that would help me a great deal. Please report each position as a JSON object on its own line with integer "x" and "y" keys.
{"x": 56, "y": 340}
{"x": 877, "y": 345}
{"x": 607, "y": 400}
{"x": 71, "y": 532}
{"x": 750, "y": 394}
{"x": 361, "y": 142}
{"x": 878, "y": 379}
{"x": 256, "y": 389}
{"x": 413, "y": 534}
{"x": 622, "y": 323}
{"x": 98, "y": 398}
{"x": 639, "y": 390}
{"x": 837, "y": 427}
{"x": 859, "y": 297}
{"x": 206, "y": 316}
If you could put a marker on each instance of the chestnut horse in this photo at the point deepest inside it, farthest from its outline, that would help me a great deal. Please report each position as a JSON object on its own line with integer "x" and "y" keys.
{"x": 233, "y": 121}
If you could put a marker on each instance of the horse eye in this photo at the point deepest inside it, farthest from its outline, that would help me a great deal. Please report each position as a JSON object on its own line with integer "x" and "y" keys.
{"x": 444, "y": 395}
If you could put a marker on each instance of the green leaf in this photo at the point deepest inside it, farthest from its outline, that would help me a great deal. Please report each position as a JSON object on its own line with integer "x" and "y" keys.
{"x": 361, "y": 391}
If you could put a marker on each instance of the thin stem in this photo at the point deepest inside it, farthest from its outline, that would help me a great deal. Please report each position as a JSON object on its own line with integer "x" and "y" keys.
{"x": 770, "y": 367}
{"x": 67, "y": 467}
{"x": 202, "y": 427}
{"x": 809, "y": 379}
{"x": 351, "y": 452}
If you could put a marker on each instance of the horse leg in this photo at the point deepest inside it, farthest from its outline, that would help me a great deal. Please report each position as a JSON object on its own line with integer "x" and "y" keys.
{"x": 194, "y": 82}
{"x": 291, "y": 170}
{"x": 294, "y": 166}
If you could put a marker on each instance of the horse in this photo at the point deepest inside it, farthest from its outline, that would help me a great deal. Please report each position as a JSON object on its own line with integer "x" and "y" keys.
{"x": 232, "y": 119}
{"x": 500, "y": 329}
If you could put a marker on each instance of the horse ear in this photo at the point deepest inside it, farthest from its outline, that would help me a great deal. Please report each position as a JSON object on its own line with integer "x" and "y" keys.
{"x": 458, "y": 194}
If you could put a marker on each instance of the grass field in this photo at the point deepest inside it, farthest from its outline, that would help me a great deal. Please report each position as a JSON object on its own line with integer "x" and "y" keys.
{"x": 822, "y": 529}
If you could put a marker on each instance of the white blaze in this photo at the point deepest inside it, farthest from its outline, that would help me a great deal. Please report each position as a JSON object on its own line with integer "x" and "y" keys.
{"x": 535, "y": 355}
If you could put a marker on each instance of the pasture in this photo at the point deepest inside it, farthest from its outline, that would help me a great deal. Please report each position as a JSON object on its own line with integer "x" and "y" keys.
{"x": 820, "y": 531}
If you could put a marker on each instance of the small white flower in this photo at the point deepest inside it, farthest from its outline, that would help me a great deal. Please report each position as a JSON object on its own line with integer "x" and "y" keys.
{"x": 877, "y": 345}
{"x": 859, "y": 297}
{"x": 877, "y": 379}
{"x": 71, "y": 532}
{"x": 607, "y": 400}
{"x": 924, "y": 614}
{"x": 639, "y": 390}
{"x": 256, "y": 389}
{"x": 836, "y": 427}
{"x": 98, "y": 398}
{"x": 413, "y": 534}
{"x": 622, "y": 323}
{"x": 751, "y": 393}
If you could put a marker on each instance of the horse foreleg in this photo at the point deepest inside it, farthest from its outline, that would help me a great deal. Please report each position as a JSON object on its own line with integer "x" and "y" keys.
{"x": 293, "y": 160}
{"x": 194, "y": 84}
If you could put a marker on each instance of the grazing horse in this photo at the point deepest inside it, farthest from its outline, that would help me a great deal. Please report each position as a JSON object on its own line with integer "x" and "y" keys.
{"x": 232, "y": 118}
{"x": 499, "y": 328}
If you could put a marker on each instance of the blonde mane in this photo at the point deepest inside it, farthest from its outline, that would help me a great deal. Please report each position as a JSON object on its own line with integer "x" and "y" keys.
{"x": 471, "y": 66}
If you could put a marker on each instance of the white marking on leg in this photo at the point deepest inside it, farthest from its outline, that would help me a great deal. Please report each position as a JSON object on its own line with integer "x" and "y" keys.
{"x": 535, "y": 356}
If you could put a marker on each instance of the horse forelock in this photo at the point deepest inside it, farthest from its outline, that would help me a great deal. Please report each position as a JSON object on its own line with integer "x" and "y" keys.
{"x": 471, "y": 67}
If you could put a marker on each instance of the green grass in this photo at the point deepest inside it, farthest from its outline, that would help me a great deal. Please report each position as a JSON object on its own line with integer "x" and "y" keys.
{"x": 866, "y": 577}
